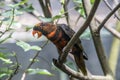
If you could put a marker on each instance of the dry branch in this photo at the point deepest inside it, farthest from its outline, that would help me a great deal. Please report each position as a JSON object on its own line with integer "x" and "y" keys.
{"x": 107, "y": 4}
{"x": 81, "y": 30}
{"x": 98, "y": 43}
{"x": 77, "y": 75}
{"x": 46, "y": 8}
{"x": 110, "y": 29}
{"x": 108, "y": 16}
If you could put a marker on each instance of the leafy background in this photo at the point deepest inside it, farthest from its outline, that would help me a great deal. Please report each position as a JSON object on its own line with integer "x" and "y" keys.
{"x": 16, "y": 23}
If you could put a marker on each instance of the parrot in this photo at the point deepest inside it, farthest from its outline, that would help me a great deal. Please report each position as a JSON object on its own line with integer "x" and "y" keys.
{"x": 60, "y": 35}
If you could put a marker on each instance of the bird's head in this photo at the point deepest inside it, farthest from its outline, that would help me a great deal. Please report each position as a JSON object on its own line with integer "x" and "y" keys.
{"x": 43, "y": 28}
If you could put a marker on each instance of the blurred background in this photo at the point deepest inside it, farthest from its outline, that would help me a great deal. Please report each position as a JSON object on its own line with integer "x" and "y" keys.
{"x": 18, "y": 17}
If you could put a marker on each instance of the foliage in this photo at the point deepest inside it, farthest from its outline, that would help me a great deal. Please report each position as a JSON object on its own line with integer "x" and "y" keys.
{"x": 7, "y": 17}
{"x": 27, "y": 47}
{"x": 39, "y": 71}
{"x": 6, "y": 71}
{"x": 79, "y": 7}
{"x": 9, "y": 67}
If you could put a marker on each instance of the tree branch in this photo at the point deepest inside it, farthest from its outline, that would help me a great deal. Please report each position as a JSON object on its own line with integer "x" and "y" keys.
{"x": 98, "y": 44}
{"x": 107, "y": 4}
{"x": 108, "y": 16}
{"x": 15, "y": 69}
{"x": 81, "y": 30}
{"x": 46, "y": 8}
{"x": 77, "y": 75}
{"x": 111, "y": 30}
{"x": 65, "y": 10}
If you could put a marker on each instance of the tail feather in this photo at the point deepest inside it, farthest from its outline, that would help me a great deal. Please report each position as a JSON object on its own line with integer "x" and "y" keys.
{"x": 80, "y": 63}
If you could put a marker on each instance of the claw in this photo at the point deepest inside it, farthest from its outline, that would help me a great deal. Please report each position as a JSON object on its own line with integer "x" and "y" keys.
{"x": 37, "y": 32}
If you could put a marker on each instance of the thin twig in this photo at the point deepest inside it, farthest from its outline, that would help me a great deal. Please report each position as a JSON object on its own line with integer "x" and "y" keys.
{"x": 34, "y": 13}
{"x": 107, "y": 4}
{"x": 7, "y": 29}
{"x": 65, "y": 10}
{"x": 77, "y": 19}
{"x": 108, "y": 16}
{"x": 33, "y": 60}
{"x": 81, "y": 30}
{"x": 16, "y": 69}
{"x": 85, "y": 9}
{"x": 111, "y": 30}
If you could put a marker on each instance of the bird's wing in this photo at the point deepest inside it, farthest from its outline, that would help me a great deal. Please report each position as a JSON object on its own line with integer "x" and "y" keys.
{"x": 68, "y": 31}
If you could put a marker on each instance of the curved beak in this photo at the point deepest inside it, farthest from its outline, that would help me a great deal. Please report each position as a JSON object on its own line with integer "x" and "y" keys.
{"x": 37, "y": 32}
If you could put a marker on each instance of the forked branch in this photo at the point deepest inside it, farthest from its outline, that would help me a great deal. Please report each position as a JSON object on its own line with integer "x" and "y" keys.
{"x": 81, "y": 30}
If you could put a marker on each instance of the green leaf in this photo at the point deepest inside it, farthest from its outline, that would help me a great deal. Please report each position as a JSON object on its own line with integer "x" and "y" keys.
{"x": 50, "y": 19}
{"x": 6, "y": 38}
{"x": 7, "y": 13}
{"x": 62, "y": 11}
{"x": 23, "y": 2}
{"x": 62, "y": 2}
{"x": 27, "y": 47}
{"x": 6, "y": 19}
{"x": 77, "y": 1}
{"x": 39, "y": 71}
{"x": 92, "y": 1}
{"x": 2, "y": 55}
{"x": 12, "y": 5}
{"x": 27, "y": 28}
{"x": 5, "y": 55}
{"x": 29, "y": 8}
{"x": 57, "y": 17}
{"x": 18, "y": 12}
{"x": 5, "y": 70}
{"x": 7, "y": 61}
{"x": 18, "y": 4}
{"x": 79, "y": 7}
{"x": 35, "y": 60}
{"x": 35, "y": 48}
{"x": 43, "y": 19}
{"x": 2, "y": 75}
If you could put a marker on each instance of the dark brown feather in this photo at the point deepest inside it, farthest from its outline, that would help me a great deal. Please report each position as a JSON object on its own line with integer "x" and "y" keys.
{"x": 60, "y": 35}
{"x": 77, "y": 49}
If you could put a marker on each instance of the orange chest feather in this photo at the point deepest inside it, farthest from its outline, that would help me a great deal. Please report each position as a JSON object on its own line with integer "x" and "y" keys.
{"x": 61, "y": 43}
{"x": 59, "y": 39}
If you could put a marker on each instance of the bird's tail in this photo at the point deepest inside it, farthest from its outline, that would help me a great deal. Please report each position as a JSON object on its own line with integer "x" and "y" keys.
{"x": 79, "y": 59}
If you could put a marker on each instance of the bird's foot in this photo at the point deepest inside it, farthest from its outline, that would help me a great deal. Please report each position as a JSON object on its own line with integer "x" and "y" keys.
{"x": 61, "y": 60}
